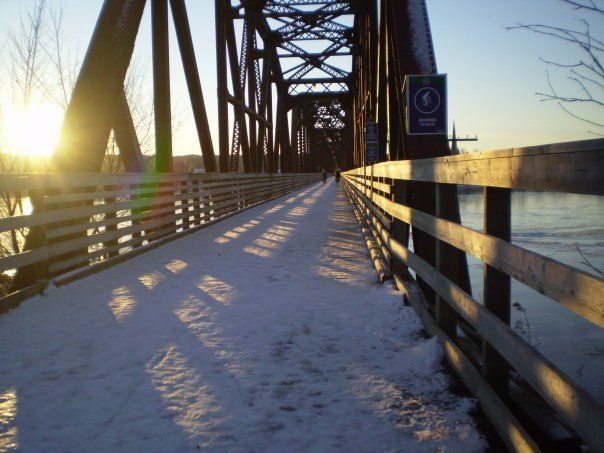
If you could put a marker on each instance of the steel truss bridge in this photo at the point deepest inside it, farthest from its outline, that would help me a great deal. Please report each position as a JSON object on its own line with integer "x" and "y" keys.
{"x": 296, "y": 82}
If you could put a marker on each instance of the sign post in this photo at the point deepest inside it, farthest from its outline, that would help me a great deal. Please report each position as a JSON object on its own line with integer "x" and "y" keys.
{"x": 371, "y": 142}
{"x": 371, "y": 151}
{"x": 426, "y": 104}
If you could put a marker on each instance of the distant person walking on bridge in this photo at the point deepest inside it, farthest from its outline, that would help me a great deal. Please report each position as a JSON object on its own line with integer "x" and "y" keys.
{"x": 324, "y": 176}
{"x": 336, "y": 173}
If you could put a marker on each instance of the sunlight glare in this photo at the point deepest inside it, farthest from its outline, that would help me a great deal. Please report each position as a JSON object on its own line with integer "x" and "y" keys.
{"x": 33, "y": 132}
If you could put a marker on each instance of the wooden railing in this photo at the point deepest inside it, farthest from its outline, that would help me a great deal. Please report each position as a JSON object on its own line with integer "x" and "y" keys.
{"x": 82, "y": 219}
{"x": 570, "y": 167}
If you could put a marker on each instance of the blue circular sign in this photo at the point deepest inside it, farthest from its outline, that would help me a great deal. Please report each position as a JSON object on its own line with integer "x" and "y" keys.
{"x": 427, "y": 100}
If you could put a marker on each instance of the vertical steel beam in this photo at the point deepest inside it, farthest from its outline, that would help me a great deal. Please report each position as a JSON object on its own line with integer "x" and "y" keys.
{"x": 187, "y": 53}
{"x": 295, "y": 137}
{"x": 264, "y": 130}
{"x": 424, "y": 195}
{"x": 222, "y": 84}
{"x": 373, "y": 41}
{"x": 238, "y": 93}
{"x": 278, "y": 135}
{"x": 395, "y": 102}
{"x": 161, "y": 86}
{"x": 270, "y": 131}
{"x": 284, "y": 142}
{"x": 382, "y": 83}
{"x": 251, "y": 94}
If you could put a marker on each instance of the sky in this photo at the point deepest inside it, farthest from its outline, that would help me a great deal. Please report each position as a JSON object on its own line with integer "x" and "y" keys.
{"x": 493, "y": 73}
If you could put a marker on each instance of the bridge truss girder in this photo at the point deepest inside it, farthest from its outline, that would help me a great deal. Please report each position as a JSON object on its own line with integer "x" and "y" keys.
{"x": 292, "y": 43}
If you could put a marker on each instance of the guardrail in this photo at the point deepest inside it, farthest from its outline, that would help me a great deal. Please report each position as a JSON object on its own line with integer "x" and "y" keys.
{"x": 83, "y": 219}
{"x": 576, "y": 167}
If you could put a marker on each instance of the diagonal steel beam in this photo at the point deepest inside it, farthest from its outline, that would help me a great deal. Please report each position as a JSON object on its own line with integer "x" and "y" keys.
{"x": 87, "y": 122}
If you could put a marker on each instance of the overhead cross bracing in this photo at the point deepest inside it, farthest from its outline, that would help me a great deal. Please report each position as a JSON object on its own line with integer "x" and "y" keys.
{"x": 277, "y": 62}
{"x": 313, "y": 42}
{"x": 304, "y": 47}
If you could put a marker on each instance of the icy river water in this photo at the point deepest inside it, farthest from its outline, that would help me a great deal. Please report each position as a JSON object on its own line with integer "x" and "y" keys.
{"x": 557, "y": 226}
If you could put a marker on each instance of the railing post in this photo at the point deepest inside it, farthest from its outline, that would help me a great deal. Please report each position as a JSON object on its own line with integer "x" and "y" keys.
{"x": 196, "y": 199}
{"x": 30, "y": 274}
{"x": 399, "y": 229}
{"x": 497, "y": 285}
{"x": 446, "y": 264}
{"x": 111, "y": 216}
{"x": 371, "y": 194}
{"x": 184, "y": 203}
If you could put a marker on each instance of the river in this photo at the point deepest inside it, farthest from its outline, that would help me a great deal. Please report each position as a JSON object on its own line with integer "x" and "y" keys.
{"x": 553, "y": 225}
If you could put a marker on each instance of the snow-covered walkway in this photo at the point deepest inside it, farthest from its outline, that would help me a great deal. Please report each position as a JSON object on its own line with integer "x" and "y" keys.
{"x": 265, "y": 332}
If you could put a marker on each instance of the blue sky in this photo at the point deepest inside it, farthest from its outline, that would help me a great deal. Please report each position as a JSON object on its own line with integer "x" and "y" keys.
{"x": 492, "y": 73}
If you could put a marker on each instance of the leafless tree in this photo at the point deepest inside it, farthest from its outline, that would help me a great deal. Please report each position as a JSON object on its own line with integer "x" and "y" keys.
{"x": 586, "y": 73}
{"x": 41, "y": 66}
{"x": 25, "y": 62}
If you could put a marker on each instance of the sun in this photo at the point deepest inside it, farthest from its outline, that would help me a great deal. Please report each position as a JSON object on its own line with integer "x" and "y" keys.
{"x": 33, "y": 132}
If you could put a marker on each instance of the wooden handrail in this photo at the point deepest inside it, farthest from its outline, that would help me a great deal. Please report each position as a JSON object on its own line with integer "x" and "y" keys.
{"x": 133, "y": 209}
{"x": 576, "y": 167}
{"x": 578, "y": 291}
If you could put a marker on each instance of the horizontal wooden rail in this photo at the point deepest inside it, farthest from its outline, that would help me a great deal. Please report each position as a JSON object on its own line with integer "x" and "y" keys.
{"x": 87, "y": 218}
{"x": 576, "y": 406}
{"x": 48, "y": 181}
{"x": 576, "y": 290}
{"x": 576, "y": 167}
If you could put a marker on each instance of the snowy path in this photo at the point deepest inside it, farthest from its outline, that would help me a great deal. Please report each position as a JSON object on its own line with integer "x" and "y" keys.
{"x": 265, "y": 332}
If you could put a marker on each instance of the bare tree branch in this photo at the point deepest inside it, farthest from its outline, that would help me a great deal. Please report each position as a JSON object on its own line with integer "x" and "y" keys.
{"x": 591, "y": 6}
{"x": 586, "y": 74}
{"x": 580, "y": 117}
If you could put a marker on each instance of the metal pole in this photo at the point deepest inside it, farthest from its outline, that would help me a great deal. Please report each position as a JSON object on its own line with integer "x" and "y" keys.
{"x": 187, "y": 53}
{"x": 161, "y": 86}
{"x": 251, "y": 95}
{"x": 221, "y": 67}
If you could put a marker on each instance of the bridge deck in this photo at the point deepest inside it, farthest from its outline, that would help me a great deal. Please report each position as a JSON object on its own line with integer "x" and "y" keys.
{"x": 265, "y": 331}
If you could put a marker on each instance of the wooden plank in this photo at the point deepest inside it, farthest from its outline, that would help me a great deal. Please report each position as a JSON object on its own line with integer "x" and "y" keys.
{"x": 576, "y": 406}
{"x": 378, "y": 214}
{"x": 65, "y": 214}
{"x": 23, "y": 259}
{"x": 576, "y": 290}
{"x": 75, "y": 244}
{"x": 376, "y": 184}
{"x": 97, "y": 267}
{"x": 381, "y": 266}
{"x": 571, "y": 172}
{"x": 44, "y": 253}
{"x": 374, "y": 223}
{"x": 13, "y": 300}
{"x": 497, "y": 285}
{"x": 219, "y": 188}
{"x": 89, "y": 225}
{"x": 44, "y": 181}
{"x": 510, "y": 430}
